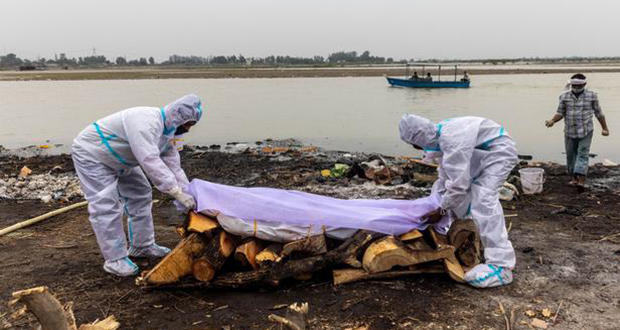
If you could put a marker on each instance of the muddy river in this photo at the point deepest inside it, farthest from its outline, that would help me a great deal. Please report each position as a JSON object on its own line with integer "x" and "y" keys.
{"x": 356, "y": 114}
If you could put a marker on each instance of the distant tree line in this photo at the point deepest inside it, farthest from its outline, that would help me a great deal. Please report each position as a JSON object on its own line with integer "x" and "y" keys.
{"x": 338, "y": 58}
{"x": 12, "y": 61}
{"x": 342, "y": 57}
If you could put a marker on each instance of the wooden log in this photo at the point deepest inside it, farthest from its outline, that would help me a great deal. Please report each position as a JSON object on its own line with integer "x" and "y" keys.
{"x": 451, "y": 263}
{"x": 310, "y": 246}
{"x": 283, "y": 270}
{"x": 200, "y": 223}
{"x": 216, "y": 251}
{"x": 349, "y": 275}
{"x": 52, "y": 315}
{"x": 410, "y": 236}
{"x": 48, "y": 310}
{"x": 389, "y": 252}
{"x": 246, "y": 253}
{"x": 176, "y": 264}
{"x": 270, "y": 255}
{"x": 463, "y": 235}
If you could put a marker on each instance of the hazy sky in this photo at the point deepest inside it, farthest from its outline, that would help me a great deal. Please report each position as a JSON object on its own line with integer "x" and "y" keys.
{"x": 399, "y": 28}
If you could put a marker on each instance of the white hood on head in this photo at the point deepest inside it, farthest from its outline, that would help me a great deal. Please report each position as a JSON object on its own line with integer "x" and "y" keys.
{"x": 188, "y": 108}
{"x": 418, "y": 130}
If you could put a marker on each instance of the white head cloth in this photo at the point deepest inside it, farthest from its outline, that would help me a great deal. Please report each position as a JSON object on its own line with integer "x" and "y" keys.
{"x": 576, "y": 81}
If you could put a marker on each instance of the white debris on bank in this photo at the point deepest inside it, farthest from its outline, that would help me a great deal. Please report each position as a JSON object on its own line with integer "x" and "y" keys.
{"x": 46, "y": 187}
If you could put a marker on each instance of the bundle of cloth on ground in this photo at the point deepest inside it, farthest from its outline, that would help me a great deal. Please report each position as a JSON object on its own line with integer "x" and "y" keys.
{"x": 285, "y": 215}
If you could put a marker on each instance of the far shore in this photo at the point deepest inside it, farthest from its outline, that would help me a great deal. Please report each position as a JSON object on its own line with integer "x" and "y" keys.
{"x": 447, "y": 72}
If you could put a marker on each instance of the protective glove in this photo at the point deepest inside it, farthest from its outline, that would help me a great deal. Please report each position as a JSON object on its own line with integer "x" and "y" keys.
{"x": 549, "y": 123}
{"x": 184, "y": 199}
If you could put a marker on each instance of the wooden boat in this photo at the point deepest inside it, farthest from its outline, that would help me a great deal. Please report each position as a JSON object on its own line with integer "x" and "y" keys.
{"x": 424, "y": 82}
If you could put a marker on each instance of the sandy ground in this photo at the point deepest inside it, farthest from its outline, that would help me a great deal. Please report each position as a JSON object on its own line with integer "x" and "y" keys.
{"x": 561, "y": 260}
{"x": 292, "y": 72}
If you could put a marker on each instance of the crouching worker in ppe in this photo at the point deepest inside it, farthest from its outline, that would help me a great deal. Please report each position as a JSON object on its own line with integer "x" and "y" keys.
{"x": 475, "y": 156}
{"x": 112, "y": 156}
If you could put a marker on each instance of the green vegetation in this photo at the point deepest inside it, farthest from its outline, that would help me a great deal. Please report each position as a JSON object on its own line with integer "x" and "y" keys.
{"x": 340, "y": 58}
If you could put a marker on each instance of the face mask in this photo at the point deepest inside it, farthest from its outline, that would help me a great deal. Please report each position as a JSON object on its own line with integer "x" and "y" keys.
{"x": 181, "y": 130}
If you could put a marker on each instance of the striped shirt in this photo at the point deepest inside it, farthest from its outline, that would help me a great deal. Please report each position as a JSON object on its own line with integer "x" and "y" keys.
{"x": 578, "y": 112}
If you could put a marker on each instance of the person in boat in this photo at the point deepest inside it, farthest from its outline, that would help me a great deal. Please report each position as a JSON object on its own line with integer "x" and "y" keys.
{"x": 577, "y": 106}
{"x": 415, "y": 76}
{"x": 112, "y": 156}
{"x": 465, "y": 76}
{"x": 475, "y": 156}
{"x": 428, "y": 77}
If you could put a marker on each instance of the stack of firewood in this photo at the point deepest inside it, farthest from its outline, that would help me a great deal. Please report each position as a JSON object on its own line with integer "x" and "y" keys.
{"x": 217, "y": 259}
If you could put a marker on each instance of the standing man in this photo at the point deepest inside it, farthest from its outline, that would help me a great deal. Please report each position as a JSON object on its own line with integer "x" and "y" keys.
{"x": 577, "y": 106}
{"x": 112, "y": 156}
{"x": 475, "y": 156}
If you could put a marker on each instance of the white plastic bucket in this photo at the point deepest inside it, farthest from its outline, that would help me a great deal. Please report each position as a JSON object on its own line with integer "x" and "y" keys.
{"x": 532, "y": 180}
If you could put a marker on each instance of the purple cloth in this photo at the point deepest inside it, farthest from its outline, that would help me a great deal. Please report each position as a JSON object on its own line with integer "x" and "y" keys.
{"x": 387, "y": 216}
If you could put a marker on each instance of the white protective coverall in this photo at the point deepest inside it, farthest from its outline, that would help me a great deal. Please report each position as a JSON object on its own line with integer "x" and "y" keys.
{"x": 111, "y": 158}
{"x": 475, "y": 157}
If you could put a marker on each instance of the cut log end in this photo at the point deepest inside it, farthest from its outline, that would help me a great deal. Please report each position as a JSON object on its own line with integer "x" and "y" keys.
{"x": 246, "y": 253}
{"x": 203, "y": 270}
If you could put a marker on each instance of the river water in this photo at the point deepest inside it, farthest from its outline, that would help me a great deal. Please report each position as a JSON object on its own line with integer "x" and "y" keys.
{"x": 356, "y": 114}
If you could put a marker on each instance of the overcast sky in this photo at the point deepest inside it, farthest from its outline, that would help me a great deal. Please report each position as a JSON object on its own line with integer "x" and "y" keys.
{"x": 418, "y": 29}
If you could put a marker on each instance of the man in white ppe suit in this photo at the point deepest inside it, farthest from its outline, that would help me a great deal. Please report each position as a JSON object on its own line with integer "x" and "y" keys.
{"x": 475, "y": 157}
{"x": 112, "y": 156}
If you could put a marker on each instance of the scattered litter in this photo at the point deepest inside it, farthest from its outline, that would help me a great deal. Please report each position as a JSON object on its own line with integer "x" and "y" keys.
{"x": 339, "y": 170}
{"x": 538, "y": 323}
{"x": 567, "y": 210}
{"x": 546, "y": 312}
{"x": 24, "y": 172}
{"x": 506, "y": 194}
{"x": 530, "y": 313}
{"x": 219, "y": 308}
{"x": 296, "y": 317}
{"x": 276, "y": 307}
{"x": 326, "y": 173}
{"x": 609, "y": 163}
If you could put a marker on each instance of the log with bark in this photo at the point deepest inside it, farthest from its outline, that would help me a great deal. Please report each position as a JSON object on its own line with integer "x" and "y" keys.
{"x": 52, "y": 315}
{"x": 270, "y": 255}
{"x": 390, "y": 252}
{"x": 451, "y": 263}
{"x": 219, "y": 246}
{"x": 177, "y": 264}
{"x": 463, "y": 235}
{"x": 246, "y": 253}
{"x": 311, "y": 246}
{"x": 287, "y": 269}
{"x": 349, "y": 275}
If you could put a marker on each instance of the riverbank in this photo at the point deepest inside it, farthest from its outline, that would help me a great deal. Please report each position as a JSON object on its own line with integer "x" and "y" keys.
{"x": 559, "y": 236}
{"x": 290, "y": 72}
